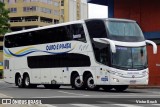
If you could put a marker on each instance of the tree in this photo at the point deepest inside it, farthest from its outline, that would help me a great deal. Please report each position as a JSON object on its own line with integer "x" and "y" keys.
{"x": 4, "y": 25}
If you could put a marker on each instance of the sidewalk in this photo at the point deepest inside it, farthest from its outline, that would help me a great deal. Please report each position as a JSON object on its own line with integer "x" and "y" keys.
{"x": 144, "y": 87}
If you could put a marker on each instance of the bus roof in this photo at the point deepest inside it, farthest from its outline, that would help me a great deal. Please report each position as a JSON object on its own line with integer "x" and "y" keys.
{"x": 67, "y": 23}
{"x": 44, "y": 27}
{"x": 112, "y": 19}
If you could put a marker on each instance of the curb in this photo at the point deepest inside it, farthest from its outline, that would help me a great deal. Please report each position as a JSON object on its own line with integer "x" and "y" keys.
{"x": 144, "y": 87}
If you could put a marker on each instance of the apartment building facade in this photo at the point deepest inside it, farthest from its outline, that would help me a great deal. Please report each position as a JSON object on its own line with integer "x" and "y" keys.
{"x": 26, "y": 14}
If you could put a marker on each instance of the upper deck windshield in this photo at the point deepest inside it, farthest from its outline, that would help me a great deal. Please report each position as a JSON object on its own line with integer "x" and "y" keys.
{"x": 124, "y": 31}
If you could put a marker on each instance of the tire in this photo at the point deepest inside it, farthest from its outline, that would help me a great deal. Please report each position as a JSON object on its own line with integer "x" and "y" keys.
{"x": 27, "y": 81}
{"x": 20, "y": 83}
{"x": 89, "y": 82}
{"x": 120, "y": 88}
{"x": 107, "y": 87}
{"x": 52, "y": 86}
{"x": 77, "y": 83}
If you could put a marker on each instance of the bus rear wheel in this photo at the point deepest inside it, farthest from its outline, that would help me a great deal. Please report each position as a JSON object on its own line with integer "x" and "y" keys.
{"x": 19, "y": 82}
{"x": 89, "y": 82}
{"x": 27, "y": 81}
{"x": 120, "y": 88}
{"x": 77, "y": 83}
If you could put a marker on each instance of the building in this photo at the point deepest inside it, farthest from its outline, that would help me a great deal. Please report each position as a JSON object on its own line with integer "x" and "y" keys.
{"x": 26, "y": 14}
{"x": 146, "y": 13}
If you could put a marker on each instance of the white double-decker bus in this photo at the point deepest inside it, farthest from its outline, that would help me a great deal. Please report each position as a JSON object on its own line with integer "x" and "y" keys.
{"x": 86, "y": 54}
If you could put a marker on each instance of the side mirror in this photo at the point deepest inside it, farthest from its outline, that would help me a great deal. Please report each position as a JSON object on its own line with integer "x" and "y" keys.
{"x": 106, "y": 41}
{"x": 154, "y": 46}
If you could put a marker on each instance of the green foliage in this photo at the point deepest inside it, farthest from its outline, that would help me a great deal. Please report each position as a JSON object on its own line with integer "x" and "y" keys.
{"x": 4, "y": 25}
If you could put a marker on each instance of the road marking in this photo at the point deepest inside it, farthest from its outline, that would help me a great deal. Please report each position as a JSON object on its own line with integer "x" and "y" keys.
{"x": 61, "y": 97}
{"x": 46, "y": 105}
{"x": 73, "y": 93}
{"x": 124, "y": 95}
{"x": 6, "y": 96}
{"x": 156, "y": 104}
{"x": 84, "y": 105}
{"x": 154, "y": 92}
{"x": 126, "y": 105}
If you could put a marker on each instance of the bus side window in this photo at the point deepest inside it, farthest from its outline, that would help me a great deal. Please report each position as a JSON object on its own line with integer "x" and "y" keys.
{"x": 78, "y": 32}
{"x": 6, "y": 64}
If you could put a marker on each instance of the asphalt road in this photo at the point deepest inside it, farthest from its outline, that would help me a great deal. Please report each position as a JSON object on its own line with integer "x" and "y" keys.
{"x": 68, "y": 97}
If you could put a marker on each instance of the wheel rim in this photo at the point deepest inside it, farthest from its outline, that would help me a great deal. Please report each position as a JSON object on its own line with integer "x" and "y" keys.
{"x": 19, "y": 81}
{"x": 27, "y": 81}
{"x": 78, "y": 82}
{"x": 90, "y": 82}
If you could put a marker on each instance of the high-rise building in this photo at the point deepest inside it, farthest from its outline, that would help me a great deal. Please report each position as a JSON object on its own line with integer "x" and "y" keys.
{"x": 25, "y": 14}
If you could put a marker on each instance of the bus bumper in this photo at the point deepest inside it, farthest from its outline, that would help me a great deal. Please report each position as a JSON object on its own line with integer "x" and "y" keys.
{"x": 117, "y": 80}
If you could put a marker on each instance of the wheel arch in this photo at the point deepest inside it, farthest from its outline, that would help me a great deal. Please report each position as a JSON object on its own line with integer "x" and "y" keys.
{"x": 72, "y": 74}
{"x": 86, "y": 73}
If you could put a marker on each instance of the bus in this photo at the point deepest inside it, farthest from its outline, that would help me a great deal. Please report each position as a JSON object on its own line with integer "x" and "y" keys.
{"x": 86, "y": 54}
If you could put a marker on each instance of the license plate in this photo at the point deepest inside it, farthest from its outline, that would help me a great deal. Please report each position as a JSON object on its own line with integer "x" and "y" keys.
{"x": 132, "y": 81}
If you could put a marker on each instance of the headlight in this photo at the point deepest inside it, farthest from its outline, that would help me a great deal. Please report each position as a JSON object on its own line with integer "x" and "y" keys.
{"x": 115, "y": 79}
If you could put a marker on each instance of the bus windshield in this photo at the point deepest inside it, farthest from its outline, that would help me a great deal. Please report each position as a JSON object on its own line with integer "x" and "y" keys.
{"x": 124, "y": 31}
{"x": 130, "y": 58}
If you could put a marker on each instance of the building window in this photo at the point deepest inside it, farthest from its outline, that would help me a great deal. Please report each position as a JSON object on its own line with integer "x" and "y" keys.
{"x": 31, "y": 8}
{"x": 45, "y": 10}
{"x": 34, "y": 0}
{"x": 12, "y": 1}
{"x": 56, "y": 12}
{"x": 56, "y": 4}
{"x": 56, "y": 21}
{"x": 62, "y": 11}
{"x": 46, "y": 1}
{"x": 62, "y": 2}
{"x": 12, "y": 10}
{"x": 26, "y": 0}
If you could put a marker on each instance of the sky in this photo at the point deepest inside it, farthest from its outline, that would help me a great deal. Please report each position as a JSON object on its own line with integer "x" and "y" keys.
{"x": 97, "y": 11}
